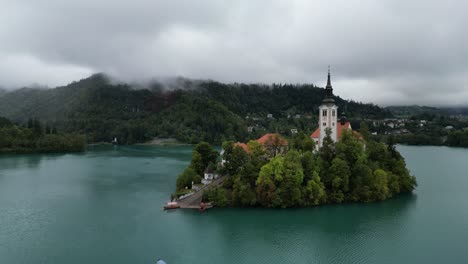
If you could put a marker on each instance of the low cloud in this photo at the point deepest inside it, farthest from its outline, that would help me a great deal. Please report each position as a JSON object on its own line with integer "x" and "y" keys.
{"x": 387, "y": 52}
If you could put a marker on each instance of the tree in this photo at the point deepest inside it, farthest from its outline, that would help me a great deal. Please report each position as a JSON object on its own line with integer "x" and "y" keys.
{"x": 275, "y": 144}
{"x": 349, "y": 148}
{"x": 197, "y": 179}
{"x": 314, "y": 192}
{"x": 257, "y": 157}
{"x": 37, "y": 127}
{"x": 339, "y": 174}
{"x": 216, "y": 195}
{"x": 197, "y": 163}
{"x": 292, "y": 177}
{"x": 380, "y": 187}
{"x": 234, "y": 157}
{"x": 207, "y": 153}
{"x": 185, "y": 179}
{"x": 302, "y": 142}
{"x": 326, "y": 155}
{"x": 242, "y": 193}
{"x": 361, "y": 181}
{"x": 266, "y": 190}
{"x": 364, "y": 130}
{"x": 308, "y": 166}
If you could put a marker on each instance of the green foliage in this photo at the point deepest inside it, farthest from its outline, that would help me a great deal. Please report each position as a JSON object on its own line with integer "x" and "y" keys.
{"x": 234, "y": 157}
{"x": 197, "y": 163}
{"x": 339, "y": 174}
{"x": 302, "y": 142}
{"x": 326, "y": 155}
{"x": 294, "y": 178}
{"x": 458, "y": 139}
{"x": 192, "y": 111}
{"x": 314, "y": 191}
{"x": 243, "y": 194}
{"x": 364, "y": 130}
{"x": 5, "y": 122}
{"x": 309, "y": 166}
{"x": 218, "y": 196}
{"x": 380, "y": 186}
{"x": 349, "y": 148}
{"x": 197, "y": 179}
{"x": 17, "y": 139}
{"x": 184, "y": 180}
{"x": 266, "y": 189}
{"x": 207, "y": 153}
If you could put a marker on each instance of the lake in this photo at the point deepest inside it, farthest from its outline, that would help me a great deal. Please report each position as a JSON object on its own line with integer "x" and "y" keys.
{"x": 105, "y": 206}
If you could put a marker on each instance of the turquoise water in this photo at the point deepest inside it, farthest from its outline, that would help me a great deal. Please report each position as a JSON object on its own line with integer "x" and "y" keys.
{"x": 104, "y": 206}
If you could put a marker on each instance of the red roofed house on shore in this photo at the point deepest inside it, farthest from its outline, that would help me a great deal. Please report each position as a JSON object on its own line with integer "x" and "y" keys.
{"x": 328, "y": 118}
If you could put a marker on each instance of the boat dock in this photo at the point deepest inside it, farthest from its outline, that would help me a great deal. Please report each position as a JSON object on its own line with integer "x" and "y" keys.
{"x": 194, "y": 201}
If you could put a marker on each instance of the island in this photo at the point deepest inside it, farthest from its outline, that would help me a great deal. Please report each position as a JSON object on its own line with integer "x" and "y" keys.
{"x": 333, "y": 165}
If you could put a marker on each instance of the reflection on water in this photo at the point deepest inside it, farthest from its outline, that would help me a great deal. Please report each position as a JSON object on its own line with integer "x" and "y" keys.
{"x": 30, "y": 161}
{"x": 104, "y": 206}
{"x": 137, "y": 151}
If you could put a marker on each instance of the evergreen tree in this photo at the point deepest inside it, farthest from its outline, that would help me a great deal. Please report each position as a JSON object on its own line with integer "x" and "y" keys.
{"x": 339, "y": 174}
{"x": 197, "y": 163}
{"x": 314, "y": 193}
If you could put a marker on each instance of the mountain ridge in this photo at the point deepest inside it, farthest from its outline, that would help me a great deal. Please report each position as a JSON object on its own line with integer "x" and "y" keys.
{"x": 194, "y": 110}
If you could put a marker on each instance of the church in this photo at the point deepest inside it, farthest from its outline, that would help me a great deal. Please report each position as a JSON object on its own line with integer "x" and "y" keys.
{"x": 328, "y": 118}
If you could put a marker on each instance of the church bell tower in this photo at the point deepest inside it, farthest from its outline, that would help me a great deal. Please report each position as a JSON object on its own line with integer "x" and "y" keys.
{"x": 328, "y": 113}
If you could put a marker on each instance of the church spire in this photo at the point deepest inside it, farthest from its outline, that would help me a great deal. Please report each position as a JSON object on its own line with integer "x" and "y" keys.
{"x": 328, "y": 81}
{"x": 328, "y": 90}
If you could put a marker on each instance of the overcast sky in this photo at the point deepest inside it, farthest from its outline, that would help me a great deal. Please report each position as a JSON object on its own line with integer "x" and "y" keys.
{"x": 387, "y": 52}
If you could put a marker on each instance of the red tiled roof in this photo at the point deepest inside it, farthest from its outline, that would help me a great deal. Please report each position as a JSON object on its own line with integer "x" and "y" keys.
{"x": 242, "y": 145}
{"x": 316, "y": 133}
{"x": 339, "y": 130}
{"x": 265, "y": 139}
{"x": 358, "y": 135}
{"x": 340, "y": 127}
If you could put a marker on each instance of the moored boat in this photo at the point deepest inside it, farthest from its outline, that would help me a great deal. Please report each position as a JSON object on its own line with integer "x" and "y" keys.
{"x": 171, "y": 205}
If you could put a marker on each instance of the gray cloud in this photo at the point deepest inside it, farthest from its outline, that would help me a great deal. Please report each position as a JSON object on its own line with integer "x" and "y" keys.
{"x": 388, "y": 52}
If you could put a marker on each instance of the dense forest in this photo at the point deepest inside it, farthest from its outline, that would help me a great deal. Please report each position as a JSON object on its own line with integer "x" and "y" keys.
{"x": 340, "y": 172}
{"x": 188, "y": 110}
{"x": 37, "y": 138}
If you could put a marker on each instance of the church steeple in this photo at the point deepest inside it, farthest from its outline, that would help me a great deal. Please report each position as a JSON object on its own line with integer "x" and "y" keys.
{"x": 328, "y": 81}
{"x": 328, "y": 90}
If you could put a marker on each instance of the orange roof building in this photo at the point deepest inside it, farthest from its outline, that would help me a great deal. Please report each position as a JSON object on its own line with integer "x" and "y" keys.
{"x": 243, "y": 146}
{"x": 271, "y": 141}
{"x": 271, "y": 138}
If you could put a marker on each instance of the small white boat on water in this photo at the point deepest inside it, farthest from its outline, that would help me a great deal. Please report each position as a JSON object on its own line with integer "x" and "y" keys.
{"x": 171, "y": 205}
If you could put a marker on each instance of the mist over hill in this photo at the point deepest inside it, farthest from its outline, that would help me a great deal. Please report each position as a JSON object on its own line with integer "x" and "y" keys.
{"x": 188, "y": 110}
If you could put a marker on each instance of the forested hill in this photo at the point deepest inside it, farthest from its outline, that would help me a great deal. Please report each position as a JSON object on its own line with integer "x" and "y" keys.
{"x": 192, "y": 111}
